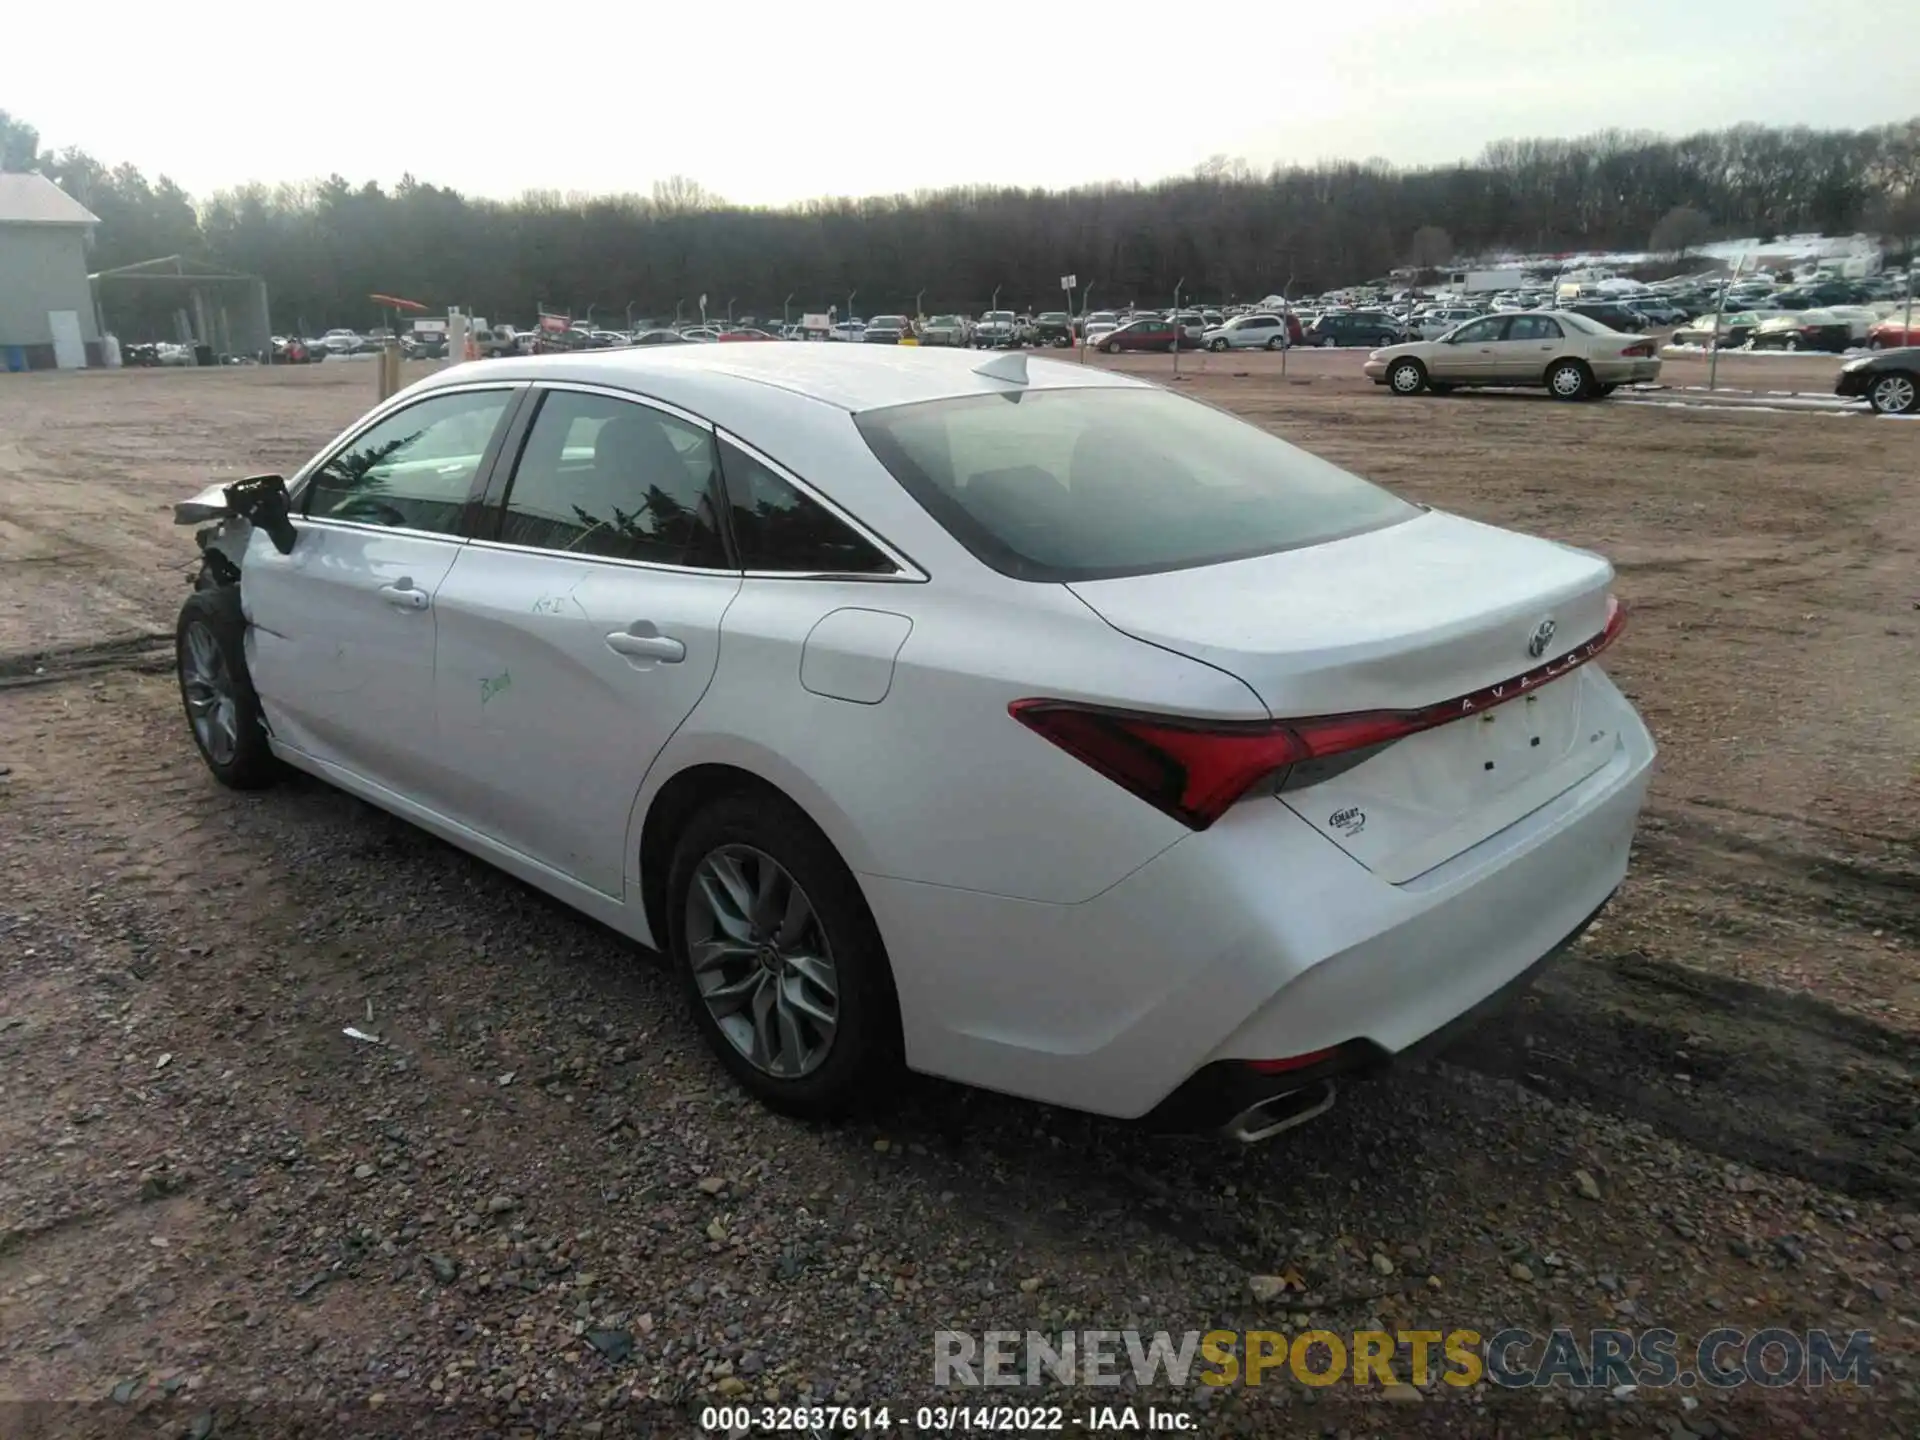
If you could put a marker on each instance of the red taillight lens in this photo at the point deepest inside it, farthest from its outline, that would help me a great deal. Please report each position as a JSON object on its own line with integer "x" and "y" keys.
{"x": 1191, "y": 769}
{"x": 1195, "y": 770}
{"x": 1641, "y": 351}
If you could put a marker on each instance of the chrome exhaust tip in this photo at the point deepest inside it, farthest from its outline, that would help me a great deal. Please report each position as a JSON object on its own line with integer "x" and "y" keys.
{"x": 1269, "y": 1117}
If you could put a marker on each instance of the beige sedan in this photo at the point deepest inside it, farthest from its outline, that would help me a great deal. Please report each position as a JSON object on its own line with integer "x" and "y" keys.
{"x": 1573, "y": 357}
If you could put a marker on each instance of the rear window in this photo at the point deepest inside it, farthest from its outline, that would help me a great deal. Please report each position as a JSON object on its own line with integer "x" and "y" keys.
{"x": 1578, "y": 320}
{"x": 1088, "y": 484}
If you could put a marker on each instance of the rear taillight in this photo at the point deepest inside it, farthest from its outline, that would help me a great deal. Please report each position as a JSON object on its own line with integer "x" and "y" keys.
{"x": 1641, "y": 351}
{"x": 1196, "y": 770}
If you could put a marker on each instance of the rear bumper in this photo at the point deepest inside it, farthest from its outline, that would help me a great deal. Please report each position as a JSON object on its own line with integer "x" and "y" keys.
{"x": 1254, "y": 940}
{"x": 1627, "y": 372}
{"x": 1221, "y": 1092}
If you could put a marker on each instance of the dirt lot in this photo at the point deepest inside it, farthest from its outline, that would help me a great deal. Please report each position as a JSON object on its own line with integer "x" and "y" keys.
{"x": 535, "y": 1204}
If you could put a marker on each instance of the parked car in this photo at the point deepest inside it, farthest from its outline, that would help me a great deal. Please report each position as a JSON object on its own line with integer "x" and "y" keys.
{"x": 661, "y": 337}
{"x": 1803, "y": 330}
{"x": 1432, "y": 324}
{"x": 1658, "y": 311}
{"x": 1097, "y": 317}
{"x": 1098, "y": 330}
{"x": 1254, "y": 332}
{"x": 887, "y": 330}
{"x": 853, "y": 331}
{"x": 948, "y": 330}
{"x": 997, "y": 330}
{"x": 1355, "y": 327}
{"x": 1574, "y": 357}
{"x": 1888, "y": 380}
{"x": 347, "y": 342}
{"x": 749, "y": 334}
{"x": 1148, "y": 333}
{"x": 1728, "y": 331}
{"x": 1053, "y": 327}
{"x": 683, "y": 689}
{"x": 1612, "y": 314}
{"x": 1893, "y": 334}
{"x": 1860, "y": 320}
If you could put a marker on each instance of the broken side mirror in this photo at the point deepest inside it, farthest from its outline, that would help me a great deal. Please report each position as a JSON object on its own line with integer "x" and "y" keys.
{"x": 262, "y": 500}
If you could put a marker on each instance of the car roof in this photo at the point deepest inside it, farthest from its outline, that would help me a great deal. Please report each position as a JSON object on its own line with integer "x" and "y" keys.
{"x": 849, "y": 377}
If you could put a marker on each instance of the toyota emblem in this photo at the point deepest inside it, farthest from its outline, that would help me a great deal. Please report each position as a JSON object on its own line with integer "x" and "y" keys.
{"x": 1541, "y": 638}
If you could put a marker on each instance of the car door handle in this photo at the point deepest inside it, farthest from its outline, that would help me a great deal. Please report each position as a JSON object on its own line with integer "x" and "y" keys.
{"x": 401, "y": 593}
{"x": 642, "y": 641}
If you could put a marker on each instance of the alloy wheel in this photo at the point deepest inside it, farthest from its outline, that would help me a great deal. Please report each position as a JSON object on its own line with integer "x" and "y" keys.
{"x": 211, "y": 703}
{"x": 1894, "y": 395}
{"x": 761, "y": 961}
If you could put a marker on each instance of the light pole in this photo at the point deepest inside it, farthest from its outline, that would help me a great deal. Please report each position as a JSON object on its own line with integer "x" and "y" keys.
{"x": 589, "y": 317}
{"x": 995, "y": 305}
{"x": 676, "y": 313}
{"x": 785, "y": 306}
{"x": 1286, "y": 324}
{"x": 729, "y": 310}
{"x": 1179, "y": 332}
{"x": 629, "y": 317}
{"x": 850, "y": 295}
{"x": 916, "y": 302}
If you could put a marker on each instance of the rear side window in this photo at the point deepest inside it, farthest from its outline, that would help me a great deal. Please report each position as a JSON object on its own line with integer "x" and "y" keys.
{"x": 607, "y": 477}
{"x": 1085, "y": 484}
{"x": 775, "y": 527}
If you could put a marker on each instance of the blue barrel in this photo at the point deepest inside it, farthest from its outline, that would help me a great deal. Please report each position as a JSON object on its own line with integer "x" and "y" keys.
{"x": 16, "y": 358}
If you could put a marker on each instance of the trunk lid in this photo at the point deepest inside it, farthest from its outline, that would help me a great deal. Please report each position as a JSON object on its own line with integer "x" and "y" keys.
{"x": 1400, "y": 619}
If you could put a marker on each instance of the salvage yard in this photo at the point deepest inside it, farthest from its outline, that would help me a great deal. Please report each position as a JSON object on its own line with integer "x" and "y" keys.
{"x": 528, "y": 1195}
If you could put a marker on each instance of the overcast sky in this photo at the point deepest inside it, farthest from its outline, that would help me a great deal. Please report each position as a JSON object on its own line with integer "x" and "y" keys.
{"x": 769, "y": 102}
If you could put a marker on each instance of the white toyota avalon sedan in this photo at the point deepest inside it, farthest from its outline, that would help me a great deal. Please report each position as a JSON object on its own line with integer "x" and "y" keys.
{"x": 1018, "y": 722}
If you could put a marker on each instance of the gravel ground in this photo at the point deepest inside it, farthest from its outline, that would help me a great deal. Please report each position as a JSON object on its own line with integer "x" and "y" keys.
{"x": 532, "y": 1204}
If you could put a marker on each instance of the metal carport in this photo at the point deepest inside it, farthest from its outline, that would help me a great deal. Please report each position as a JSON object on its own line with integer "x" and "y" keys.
{"x": 222, "y": 309}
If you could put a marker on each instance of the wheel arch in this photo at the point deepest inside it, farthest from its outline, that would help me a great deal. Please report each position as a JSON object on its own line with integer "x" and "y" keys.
{"x": 664, "y": 806}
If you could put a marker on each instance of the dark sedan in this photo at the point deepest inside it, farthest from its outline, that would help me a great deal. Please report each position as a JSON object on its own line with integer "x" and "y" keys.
{"x": 1149, "y": 333}
{"x": 1355, "y": 327}
{"x": 1889, "y": 381}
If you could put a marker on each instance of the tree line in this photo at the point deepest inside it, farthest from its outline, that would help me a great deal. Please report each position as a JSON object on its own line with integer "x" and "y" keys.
{"x": 1222, "y": 233}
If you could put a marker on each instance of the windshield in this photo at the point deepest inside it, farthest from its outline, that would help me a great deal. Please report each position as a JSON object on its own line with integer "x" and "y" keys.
{"x": 944, "y": 320}
{"x": 1000, "y": 316}
{"x": 1084, "y": 484}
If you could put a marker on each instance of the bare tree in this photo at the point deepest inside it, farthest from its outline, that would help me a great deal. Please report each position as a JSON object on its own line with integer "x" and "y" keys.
{"x": 683, "y": 195}
{"x": 1679, "y": 230}
{"x": 1430, "y": 248}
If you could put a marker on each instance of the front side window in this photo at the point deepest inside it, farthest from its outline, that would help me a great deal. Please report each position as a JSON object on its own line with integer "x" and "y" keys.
{"x": 775, "y": 527}
{"x": 1481, "y": 331}
{"x": 608, "y": 477}
{"x": 1089, "y": 483}
{"x": 414, "y": 468}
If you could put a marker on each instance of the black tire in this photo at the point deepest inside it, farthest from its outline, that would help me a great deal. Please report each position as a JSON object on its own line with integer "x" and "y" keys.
{"x": 215, "y": 612}
{"x": 1216, "y": 345}
{"x": 1561, "y": 387}
{"x": 1108, "y": 347}
{"x": 1274, "y": 343}
{"x": 1327, "y": 342}
{"x": 1889, "y": 396}
{"x": 1406, "y": 376}
{"x": 865, "y": 1051}
{"x": 1385, "y": 340}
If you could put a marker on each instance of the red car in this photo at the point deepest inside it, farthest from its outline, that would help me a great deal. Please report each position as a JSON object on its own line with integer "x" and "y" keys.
{"x": 1893, "y": 334}
{"x": 745, "y": 334}
{"x": 1148, "y": 334}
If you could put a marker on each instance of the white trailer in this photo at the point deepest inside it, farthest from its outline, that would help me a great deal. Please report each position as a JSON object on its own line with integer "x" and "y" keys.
{"x": 1485, "y": 282}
